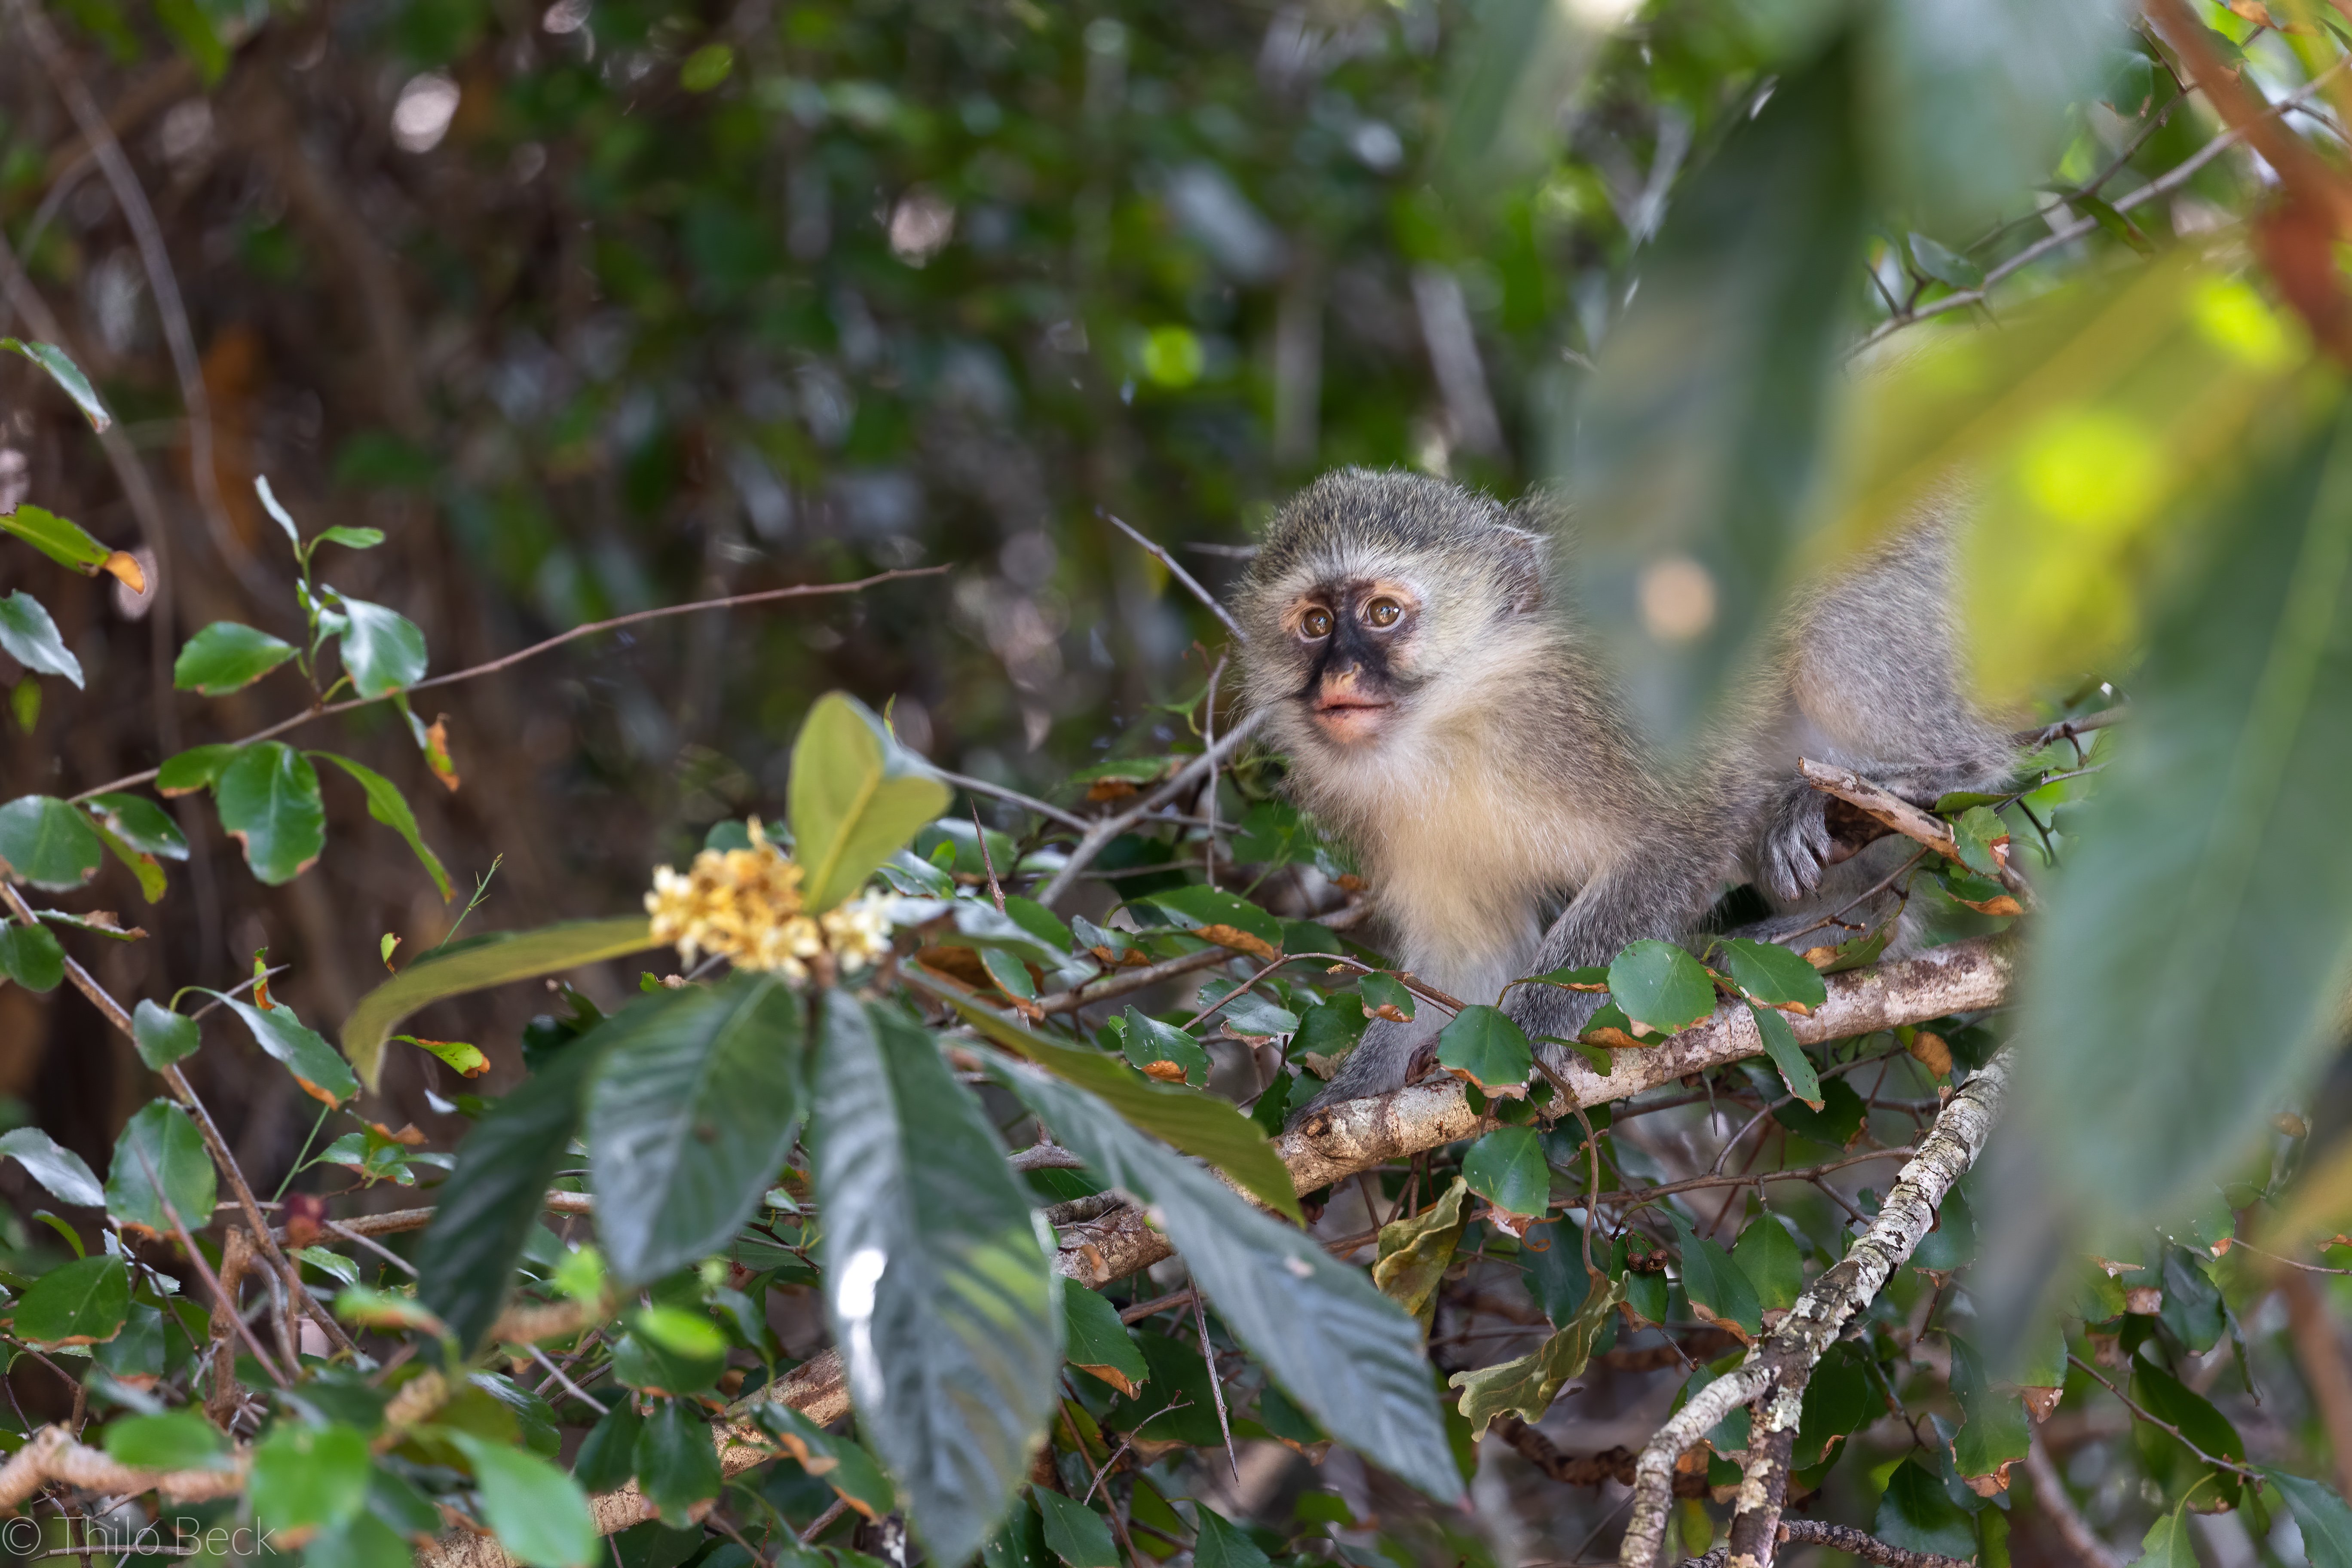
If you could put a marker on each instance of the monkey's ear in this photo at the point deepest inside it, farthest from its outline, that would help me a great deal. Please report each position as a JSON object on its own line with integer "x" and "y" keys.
{"x": 1523, "y": 570}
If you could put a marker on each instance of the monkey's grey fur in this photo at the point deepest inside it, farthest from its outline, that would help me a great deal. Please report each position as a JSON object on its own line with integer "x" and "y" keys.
{"x": 1501, "y": 802}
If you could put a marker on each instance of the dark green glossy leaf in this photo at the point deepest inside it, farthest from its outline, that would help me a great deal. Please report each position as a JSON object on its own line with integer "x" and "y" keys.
{"x": 1506, "y": 1168}
{"x": 66, "y": 374}
{"x": 1768, "y": 1260}
{"x": 1661, "y": 987}
{"x": 689, "y": 1117}
{"x": 538, "y": 1513}
{"x": 2320, "y": 1514}
{"x": 1836, "y": 1124}
{"x": 269, "y": 801}
{"x": 227, "y": 657}
{"x": 1199, "y": 1124}
{"x": 1788, "y": 1053}
{"x": 57, "y": 1168}
{"x": 1075, "y": 1532}
{"x": 324, "y": 1075}
{"x": 940, "y": 1289}
{"x": 1381, "y": 990}
{"x": 48, "y": 842}
{"x": 1770, "y": 974}
{"x": 77, "y": 1303}
{"x": 184, "y": 773}
{"x": 383, "y": 650}
{"x": 1915, "y": 1513}
{"x": 1225, "y": 918}
{"x": 30, "y": 957}
{"x": 1148, "y": 1040}
{"x": 309, "y": 1476}
{"x": 1711, "y": 1280}
{"x": 481, "y": 962}
{"x": 492, "y": 1200}
{"x": 857, "y": 796}
{"x": 389, "y": 807}
{"x": 608, "y": 1455}
{"x": 160, "y": 1147}
{"x": 839, "y": 1461}
{"x": 1347, "y": 1356}
{"x": 2169, "y": 1399}
{"x": 139, "y": 823}
{"x": 1222, "y": 1543}
{"x": 176, "y": 1440}
{"x": 675, "y": 1464}
{"x": 1485, "y": 1047}
{"x": 1097, "y": 1341}
{"x": 28, "y": 635}
{"x": 162, "y": 1035}
{"x": 1994, "y": 1434}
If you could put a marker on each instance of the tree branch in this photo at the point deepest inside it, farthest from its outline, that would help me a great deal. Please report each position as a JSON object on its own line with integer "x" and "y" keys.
{"x": 1900, "y": 815}
{"x": 1842, "y": 1537}
{"x": 1190, "y": 582}
{"x": 2049, "y": 1491}
{"x": 54, "y": 1456}
{"x": 1104, "y": 829}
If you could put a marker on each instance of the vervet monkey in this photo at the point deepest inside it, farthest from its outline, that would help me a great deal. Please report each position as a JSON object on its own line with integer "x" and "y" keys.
{"x": 1415, "y": 652}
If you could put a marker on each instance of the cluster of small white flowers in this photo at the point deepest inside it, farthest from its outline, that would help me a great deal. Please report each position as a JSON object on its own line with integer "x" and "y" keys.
{"x": 746, "y": 905}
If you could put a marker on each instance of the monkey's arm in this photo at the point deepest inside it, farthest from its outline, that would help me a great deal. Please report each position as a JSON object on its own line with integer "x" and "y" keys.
{"x": 1665, "y": 891}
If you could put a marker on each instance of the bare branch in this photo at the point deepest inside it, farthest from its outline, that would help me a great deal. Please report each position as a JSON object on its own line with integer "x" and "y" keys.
{"x": 1842, "y": 1537}
{"x": 1104, "y": 829}
{"x": 1901, "y": 816}
{"x": 1190, "y": 582}
{"x": 2049, "y": 1491}
{"x": 54, "y": 1456}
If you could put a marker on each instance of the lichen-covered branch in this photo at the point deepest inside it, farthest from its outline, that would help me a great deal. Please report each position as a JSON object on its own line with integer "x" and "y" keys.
{"x": 1775, "y": 1373}
{"x": 1842, "y": 1537}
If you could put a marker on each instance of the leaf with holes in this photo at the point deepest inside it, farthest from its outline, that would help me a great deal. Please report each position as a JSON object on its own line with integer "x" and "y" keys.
{"x": 28, "y": 634}
{"x": 1528, "y": 1385}
{"x": 856, "y": 795}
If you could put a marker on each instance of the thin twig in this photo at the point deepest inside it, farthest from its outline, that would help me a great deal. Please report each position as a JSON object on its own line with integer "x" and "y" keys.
{"x": 970, "y": 785}
{"x": 180, "y": 1229}
{"x": 2067, "y": 728}
{"x": 823, "y": 1521}
{"x": 1216, "y": 1383}
{"x": 1104, "y": 829}
{"x": 2049, "y": 1491}
{"x": 2138, "y": 1409}
{"x": 1127, "y": 981}
{"x": 1179, "y": 573}
{"x": 764, "y": 595}
{"x": 987, "y": 861}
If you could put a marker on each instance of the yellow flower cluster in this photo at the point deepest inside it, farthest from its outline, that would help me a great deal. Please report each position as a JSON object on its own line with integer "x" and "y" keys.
{"x": 745, "y": 904}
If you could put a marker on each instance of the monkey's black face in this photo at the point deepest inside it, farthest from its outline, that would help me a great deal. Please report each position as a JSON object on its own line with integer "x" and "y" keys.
{"x": 1355, "y": 639}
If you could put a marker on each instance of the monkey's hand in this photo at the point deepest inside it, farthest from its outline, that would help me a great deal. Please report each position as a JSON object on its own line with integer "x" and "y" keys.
{"x": 1794, "y": 844}
{"x": 1388, "y": 1058}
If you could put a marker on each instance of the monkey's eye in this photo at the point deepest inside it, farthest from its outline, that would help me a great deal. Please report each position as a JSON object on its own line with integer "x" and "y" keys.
{"x": 1316, "y": 624}
{"x": 1383, "y": 612}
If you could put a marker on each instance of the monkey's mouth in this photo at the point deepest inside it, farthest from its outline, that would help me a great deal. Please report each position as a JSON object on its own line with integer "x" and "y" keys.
{"x": 1350, "y": 719}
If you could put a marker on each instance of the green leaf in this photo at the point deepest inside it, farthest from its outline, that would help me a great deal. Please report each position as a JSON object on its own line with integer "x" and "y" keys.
{"x": 1200, "y": 1124}
{"x": 1097, "y": 1341}
{"x": 28, "y": 635}
{"x": 160, "y": 1147}
{"x": 1840, "y": 1399}
{"x": 1771, "y": 975}
{"x": 1008, "y": 973}
{"x": 365, "y": 1539}
{"x": 2167, "y": 1398}
{"x": 1993, "y": 1434}
{"x": 196, "y": 768}
{"x": 1482, "y": 1046}
{"x": 389, "y": 807}
{"x": 939, "y": 1287}
{"x": 324, "y": 1075}
{"x": 56, "y": 1167}
{"x": 30, "y": 957}
{"x": 2169, "y": 1542}
{"x": 689, "y": 1117}
{"x": 538, "y": 1513}
{"x": 350, "y": 537}
{"x": 1948, "y": 268}
{"x": 675, "y": 1464}
{"x": 47, "y": 842}
{"x": 1528, "y": 1385}
{"x": 162, "y": 1035}
{"x": 1223, "y": 918}
{"x": 1768, "y": 1260}
{"x": 69, "y": 377}
{"x": 857, "y": 796}
{"x": 483, "y": 962}
{"x": 839, "y": 1461}
{"x": 383, "y": 650}
{"x": 269, "y": 801}
{"x": 1416, "y": 1251}
{"x": 1834, "y": 1124}
{"x": 227, "y": 657}
{"x": 176, "y": 1440}
{"x": 1661, "y": 987}
{"x": 2208, "y": 885}
{"x": 1711, "y": 1280}
{"x": 307, "y": 1477}
{"x": 2320, "y": 1514}
{"x": 78, "y": 1303}
{"x": 1075, "y": 1532}
{"x": 1244, "y": 1011}
{"x": 1148, "y": 1040}
{"x": 1381, "y": 990}
{"x": 139, "y": 823}
{"x": 1974, "y": 833}
{"x": 1788, "y": 1053}
{"x": 1221, "y": 1544}
{"x": 466, "y": 1058}
{"x": 1506, "y": 1168}
{"x": 490, "y": 1205}
{"x": 1915, "y": 1513}
{"x": 1695, "y": 446}
{"x": 1551, "y": 1256}
{"x": 1344, "y": 1353}
{"x": 1040, "y": 922}
{"x": 608, "y": 1455}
